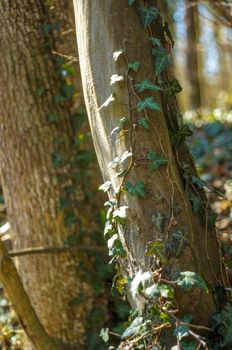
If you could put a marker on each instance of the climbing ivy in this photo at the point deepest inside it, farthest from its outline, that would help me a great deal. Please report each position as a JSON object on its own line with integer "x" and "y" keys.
{"x": 156, "y": 292}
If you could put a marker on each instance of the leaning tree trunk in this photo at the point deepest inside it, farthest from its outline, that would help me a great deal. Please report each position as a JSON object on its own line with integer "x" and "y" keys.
{"x": 192, "y": 64}
{"x": 107, "y": 28}
{"x": 43, "y": 184}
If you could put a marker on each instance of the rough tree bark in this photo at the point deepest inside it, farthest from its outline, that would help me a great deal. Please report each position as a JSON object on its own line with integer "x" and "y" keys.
{"x": 45, "y": 196}
{"x": 192, "y": 64}
{"x": 104, "y": 27}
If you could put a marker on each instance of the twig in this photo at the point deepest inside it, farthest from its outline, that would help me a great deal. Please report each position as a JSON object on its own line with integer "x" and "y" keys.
{"x": 57, "y": 250}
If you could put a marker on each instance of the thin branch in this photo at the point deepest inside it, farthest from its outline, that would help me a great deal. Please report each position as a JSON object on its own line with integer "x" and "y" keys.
{"x": 57, "y": 250}
{"x": 23, "y": 308}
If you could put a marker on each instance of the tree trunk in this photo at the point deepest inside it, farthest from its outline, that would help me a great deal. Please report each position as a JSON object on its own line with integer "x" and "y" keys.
{"x": 44, "y": 188}
{"x": 105, "y": 27}
{"x": 192, "y": 64}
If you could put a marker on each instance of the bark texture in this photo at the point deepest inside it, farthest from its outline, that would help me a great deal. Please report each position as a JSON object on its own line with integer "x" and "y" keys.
{"x": 39, "y": 167}
{"x": 192, "y": 64}
{"x": 104, "y": 26}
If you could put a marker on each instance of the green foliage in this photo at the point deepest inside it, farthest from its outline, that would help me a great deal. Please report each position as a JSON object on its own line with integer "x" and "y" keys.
{"x": 57, "y": 159}
{"x": 119, "y": 128}
{"x": 158, "y": 219}
{"x": 134, "y": 328}
{"x": 106, "y": 186}
{"x": 155, "y": 41}
{"x": 121, "y": 212}
{"x": 115, "y": 246}
{"x": 140, "y": 281}
{"x": 180, "y": 135}
{"x": 104, "y": 334}
{"x": 147, "y": 15}
{"x": 189, "y": 279}
{"x": 69, "y": 218}
{"x": 148, "y": 102}
{"x": 108, "y": 102}
{"x": 157, "y": 249}
{"x": 117, "y": 54}
{"x": 197, "y": 203}
{"x": 143, "y": 122}
{"x": 147, "y": 85}
{"x": 197, "y": 181}
{"x": 48, "y": 27}
{"x": 177, "y": 243}
{"x": 223, "y": 326}
{"x": 115, "y": 78}
{"x": 171, "y": 87}
{"x": 156, "y": 160}
{"x": 40, "y": 91}
{"x": 157, "y": 290}
{"x": 162, "y": 59}
{"x": 135, "y": 190}
{"x": 211, "y": 219}
{"x": 65, "y": 203}
{"x": 68, "y": 91}
{"x": 131, "y": 2}
{"x": 134, "y": 66}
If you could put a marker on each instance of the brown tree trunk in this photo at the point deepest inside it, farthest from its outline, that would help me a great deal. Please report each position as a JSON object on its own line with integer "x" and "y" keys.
{"x": 44, "y": 188}
{"x": 192, "y": 64}
{"x": 168, "y": 189}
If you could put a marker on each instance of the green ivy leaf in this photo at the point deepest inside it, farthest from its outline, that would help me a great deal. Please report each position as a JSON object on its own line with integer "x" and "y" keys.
{"x": 158, "y": 220}
{"x": 115, "y": 246}
{"x": 172, "y": 87}
{"x": 189, "y": 279}
{"x": 53, "y": 118}
{"x": 148, "y": 15}
{"x": 157, "y": 290}
{"x": 40, "y": 92}
{"x": 155, "y": 41}
{"x": 134, "y": 66}
{"x": 156, "y": 248}
{"x": 211, "y": 220}
{"x": 225, "y": 328}
{"x": 104, "y": 334}
{"x": 156, "y": 160}
{"x": 139, "y": 281}
{"x": 181, "y": 331}
{"x": 115, "y": 78}
{"x": 130, "y": 2}
{"x": 135, "y": 190}
{"x": 162, "y": 59}
{"x": 147, "y": 85}
{"x": 197, "y": 203}
{"x": 148, "y": 102}
{"x": 143, "y": 122}
{"x": 59, "y": 99}
{"x": 197, "y": 181}
{"x": 117, "y": 54}
{"x": 106, "y": 186}
{"x": 180, "y": 135}
{"x": 134, "y": 328}
{"x": 108, "y": 102}
{"x": 177, "y": 243}
{"x": 57, "y": 159}
{"x": 65, "y": 203}
{"x": 121, "y": 212}
{"x": 69, "y": 219}
{"x": 48, "y": 27}
{"x": 68, "y": 91}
